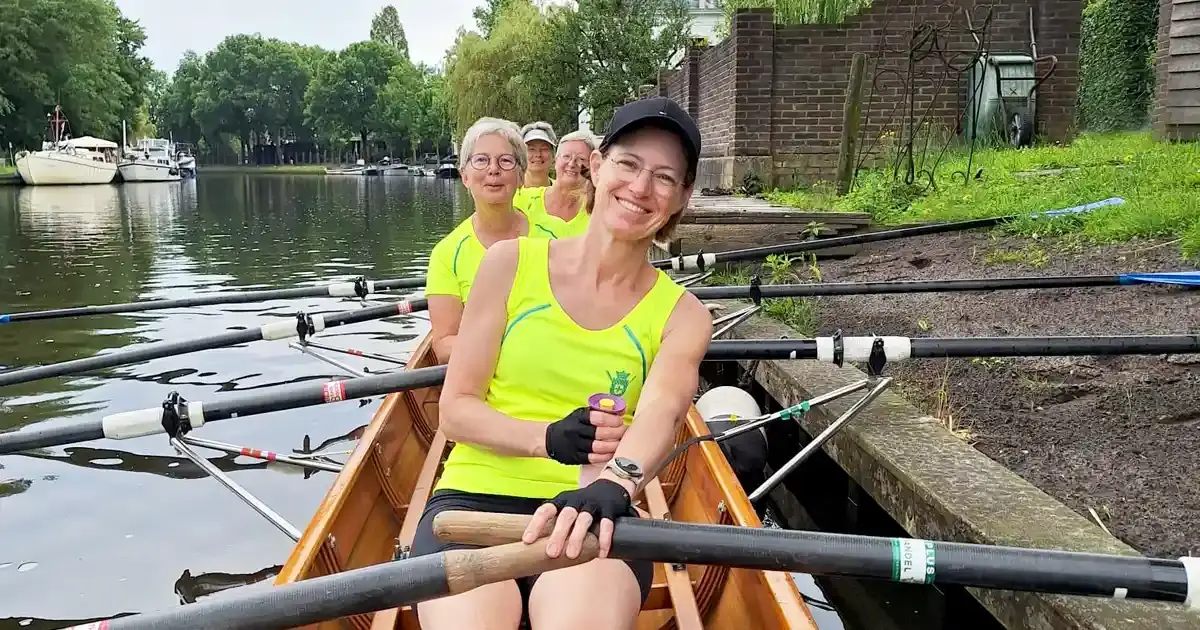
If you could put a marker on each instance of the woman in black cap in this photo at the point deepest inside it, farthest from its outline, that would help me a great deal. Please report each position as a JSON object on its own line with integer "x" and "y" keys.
{"x": 575, "y": 362}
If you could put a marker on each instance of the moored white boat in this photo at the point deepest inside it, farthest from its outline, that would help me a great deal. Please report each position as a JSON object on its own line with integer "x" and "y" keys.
{"x": 152, "y": 160}
{"x": 64, "y": 160}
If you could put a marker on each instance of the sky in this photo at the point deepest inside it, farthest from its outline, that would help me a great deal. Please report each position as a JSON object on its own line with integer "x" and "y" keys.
{"x": 174, "y": 27}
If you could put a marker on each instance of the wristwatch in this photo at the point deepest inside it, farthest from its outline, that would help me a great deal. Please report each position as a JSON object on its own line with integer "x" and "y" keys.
{"x": 625, "y": 468}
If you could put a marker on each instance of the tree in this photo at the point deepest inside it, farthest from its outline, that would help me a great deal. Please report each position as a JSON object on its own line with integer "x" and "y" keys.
{"x": 344, "y": 96}
{"x": 174, "y": 112}
{"x": 621, "y": 44}
{"x": 83, "y": 55}
{"x": 518, "y": 72}
{"x": 487, "y": 15}
{"x": 387, "y": 29}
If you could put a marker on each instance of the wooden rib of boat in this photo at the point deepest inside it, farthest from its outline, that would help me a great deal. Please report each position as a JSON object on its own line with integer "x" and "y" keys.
{"x": 371, "y": 511}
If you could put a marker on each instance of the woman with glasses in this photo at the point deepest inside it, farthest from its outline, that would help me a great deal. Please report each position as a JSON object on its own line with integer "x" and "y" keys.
{"x": 539, "y": 143}
{"x": 560, "y": 205}
{"x": 493, "y": 164}
{"x": 550, "y": 324}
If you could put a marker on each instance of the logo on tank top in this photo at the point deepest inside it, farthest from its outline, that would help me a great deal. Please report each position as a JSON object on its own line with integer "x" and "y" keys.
{"x": 618, "y": 383}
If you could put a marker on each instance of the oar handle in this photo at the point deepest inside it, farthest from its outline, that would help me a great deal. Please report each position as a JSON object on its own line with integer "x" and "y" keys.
{"x": 470, "y": 568}
{"x": 486, "y": 528}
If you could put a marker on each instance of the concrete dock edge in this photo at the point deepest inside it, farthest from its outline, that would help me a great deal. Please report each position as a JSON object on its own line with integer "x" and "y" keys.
{"x": 940, "y": 488}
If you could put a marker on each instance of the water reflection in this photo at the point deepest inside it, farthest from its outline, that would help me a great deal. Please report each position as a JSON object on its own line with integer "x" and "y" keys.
{"x": 107, "y": 525}
{"x": 191, "y": 588}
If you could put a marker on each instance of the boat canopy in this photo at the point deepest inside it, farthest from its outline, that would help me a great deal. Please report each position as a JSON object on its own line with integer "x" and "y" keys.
{"x": 91, "y": 142}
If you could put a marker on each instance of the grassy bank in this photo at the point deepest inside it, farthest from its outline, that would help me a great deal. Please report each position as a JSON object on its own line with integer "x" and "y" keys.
{"x": 282, "y": 169}
{"x": 8, "y": 171}
{"x": 1159, "y": 182}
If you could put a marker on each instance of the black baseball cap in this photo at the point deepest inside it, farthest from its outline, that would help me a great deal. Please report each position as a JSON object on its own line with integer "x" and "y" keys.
{"x": 659, "y": 111}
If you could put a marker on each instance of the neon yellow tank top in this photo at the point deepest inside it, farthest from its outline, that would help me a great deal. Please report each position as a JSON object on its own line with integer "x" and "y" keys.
{"x": 455, "y": 259}
{"x": 549, "y": 365}
{"x": 533, "y": 202}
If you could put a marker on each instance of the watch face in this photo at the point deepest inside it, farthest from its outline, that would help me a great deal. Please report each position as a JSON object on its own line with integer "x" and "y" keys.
{"x": 628, "y": 465}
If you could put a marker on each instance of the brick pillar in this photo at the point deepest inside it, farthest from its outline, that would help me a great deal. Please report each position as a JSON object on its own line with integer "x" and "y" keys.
{"x": 1158, "y": 108}
{"x": 690, "y": 67}
{"x": 753, "y": 34}
{"x": 1057, "y": 24}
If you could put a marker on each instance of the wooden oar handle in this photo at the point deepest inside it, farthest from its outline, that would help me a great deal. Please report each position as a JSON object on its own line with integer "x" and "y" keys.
{"x": 471, "y": 568}
{"x": 482, "y": 528}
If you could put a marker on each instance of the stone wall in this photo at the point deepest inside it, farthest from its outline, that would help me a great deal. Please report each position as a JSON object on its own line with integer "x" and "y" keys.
{"x": 770, "y": 97}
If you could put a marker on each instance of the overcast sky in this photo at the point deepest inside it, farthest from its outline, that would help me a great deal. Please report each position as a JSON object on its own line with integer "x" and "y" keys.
{"x": 173, "y": 27}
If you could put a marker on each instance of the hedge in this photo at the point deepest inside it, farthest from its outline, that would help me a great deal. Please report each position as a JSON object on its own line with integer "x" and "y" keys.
{"x": 1116, "y": 64}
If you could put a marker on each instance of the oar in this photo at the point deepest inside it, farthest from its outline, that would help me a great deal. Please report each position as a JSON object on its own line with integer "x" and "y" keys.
{"x": 179, "y": 415}
{"x": 360, "y": 287}
{"x": 302, "y": 326}
{"x": 876, "y": 351}
{"x": 1173, "y": 278}
{"x": 904, "y": 560}
{"x": 700, "y": 261}
{"x": 355, "y": 592}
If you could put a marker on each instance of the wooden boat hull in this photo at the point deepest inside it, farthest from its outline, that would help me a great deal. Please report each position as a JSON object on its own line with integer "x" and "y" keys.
{"x": 371, "y": 511}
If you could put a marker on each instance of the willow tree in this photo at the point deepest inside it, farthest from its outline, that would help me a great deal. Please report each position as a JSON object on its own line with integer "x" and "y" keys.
{"x": 515, "y": 72}
{"x": 798, "y": 11}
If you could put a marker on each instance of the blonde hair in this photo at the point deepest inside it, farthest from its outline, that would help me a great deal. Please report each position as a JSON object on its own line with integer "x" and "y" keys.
{"x": 506, "y": 129}
{"x": 582, "y": 135}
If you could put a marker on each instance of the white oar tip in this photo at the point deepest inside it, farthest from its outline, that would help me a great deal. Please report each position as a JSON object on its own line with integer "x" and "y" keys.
{"x": 1191, "y": 569}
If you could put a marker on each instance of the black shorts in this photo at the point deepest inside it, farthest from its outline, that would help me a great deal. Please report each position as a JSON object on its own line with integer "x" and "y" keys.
{"x": 424, "y": 542}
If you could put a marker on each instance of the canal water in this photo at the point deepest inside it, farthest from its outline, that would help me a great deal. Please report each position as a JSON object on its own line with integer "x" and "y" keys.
{"x": 113, "y": 527}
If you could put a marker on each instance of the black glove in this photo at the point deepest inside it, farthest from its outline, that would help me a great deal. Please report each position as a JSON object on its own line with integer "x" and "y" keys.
{"x": 569, "y": 441}
{"x": 601, "y": 498}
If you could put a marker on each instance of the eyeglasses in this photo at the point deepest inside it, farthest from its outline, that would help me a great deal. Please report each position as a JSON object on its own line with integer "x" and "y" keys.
{"x": 628, "y": 168}
{"x": 481, "y": 161}
{"x": 573, "y": 160}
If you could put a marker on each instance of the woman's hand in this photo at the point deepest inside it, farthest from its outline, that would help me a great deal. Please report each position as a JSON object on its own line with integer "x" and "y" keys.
{"x": 601, "y": 501}
{"x": 585, "y": 436}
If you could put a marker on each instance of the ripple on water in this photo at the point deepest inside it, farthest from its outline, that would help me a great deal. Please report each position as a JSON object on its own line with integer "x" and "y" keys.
{"x": 26, "y": 566}
{"x": 5, "y": 565}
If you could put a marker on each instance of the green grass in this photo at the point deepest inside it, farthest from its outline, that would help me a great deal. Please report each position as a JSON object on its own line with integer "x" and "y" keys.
{"x": 797, "y": 313}
{"x": 8, "y": 171}
{"x": 282, "y": 169}
{"x": 1159, "y": 181}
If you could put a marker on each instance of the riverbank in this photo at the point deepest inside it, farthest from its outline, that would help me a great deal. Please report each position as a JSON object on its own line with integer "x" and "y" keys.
{"x": 1112, "y": 435}
{"x": 267, "y": 169}
{"x": 1159, "y": 182}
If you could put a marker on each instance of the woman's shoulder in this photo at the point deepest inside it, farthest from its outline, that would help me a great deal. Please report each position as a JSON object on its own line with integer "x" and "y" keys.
{"x": 525, "y": 197}
{"x": 452, "y": 240}
{"x": 689, "y": 314}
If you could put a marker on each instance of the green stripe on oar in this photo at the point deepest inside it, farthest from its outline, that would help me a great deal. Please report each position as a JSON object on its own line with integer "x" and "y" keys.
{"x": 905, "y": 560}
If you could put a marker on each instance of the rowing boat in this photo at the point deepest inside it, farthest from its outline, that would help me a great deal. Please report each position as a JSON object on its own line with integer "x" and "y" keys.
{"x": 371, "y": 512}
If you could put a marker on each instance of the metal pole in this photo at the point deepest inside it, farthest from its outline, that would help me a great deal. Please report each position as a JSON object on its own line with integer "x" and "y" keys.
{"x": 821, "y": 439}
{"x": 242, "y": 493}
{"x": 767, "y": 419}
{"x": 263, "y": 455}
{"x": 329, "y": 360}
{"x": 738, "y": 318}
{"x": 356, "y": 353}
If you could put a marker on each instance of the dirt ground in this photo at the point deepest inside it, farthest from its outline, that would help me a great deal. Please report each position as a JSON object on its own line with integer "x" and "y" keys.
{"x": 1119, "y": 435}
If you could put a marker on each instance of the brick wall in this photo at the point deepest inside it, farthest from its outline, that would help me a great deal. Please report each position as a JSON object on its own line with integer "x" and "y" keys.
{"x": 771, "y": 97}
